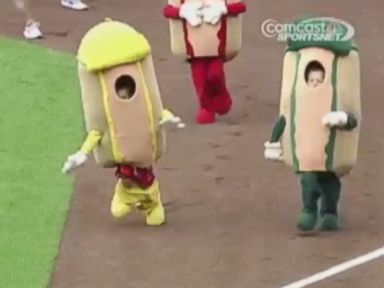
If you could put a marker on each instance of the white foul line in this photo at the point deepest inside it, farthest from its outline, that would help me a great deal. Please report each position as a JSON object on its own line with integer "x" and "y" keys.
{"x": 337, "y": 269}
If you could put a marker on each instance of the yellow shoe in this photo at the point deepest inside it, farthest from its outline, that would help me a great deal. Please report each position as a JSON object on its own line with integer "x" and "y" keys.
{"x": 119, "y": 209}
{"x": 156, "y": 216}
{"x": 120, "y": 206}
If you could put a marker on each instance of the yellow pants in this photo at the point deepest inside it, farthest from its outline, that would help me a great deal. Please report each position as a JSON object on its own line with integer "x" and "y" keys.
{"x": 147, "y": 201}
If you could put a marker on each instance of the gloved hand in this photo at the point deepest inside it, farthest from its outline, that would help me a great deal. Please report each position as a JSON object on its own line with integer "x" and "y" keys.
{"x": 273, "y": 151}
{"x": 192, "y": 12}
{"x": 74, "y": 161}
{"x": 213, "y": 12}
{"x": 336, "y": 118}
{"x": 169, "y": 117}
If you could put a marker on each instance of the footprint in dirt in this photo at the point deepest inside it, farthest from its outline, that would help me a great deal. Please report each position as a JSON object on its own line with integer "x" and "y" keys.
{"x": 161, "y": 59}
{"x": 309, "y": 234}
{"x": 236, "y": 133}
{"x": 213, "y": 145}
{"x": 168, "y": 168}
{"x": 238, "y": 121}
{"x": 58, "y": 33}
{"x": 223, "y": 157}
{"x": 208, "y": 167}
{"x": 174, "y": 206}
{"x": 231, "y": 122}
{"x": 271, "y": 105}
{"x": 219, "y": 179}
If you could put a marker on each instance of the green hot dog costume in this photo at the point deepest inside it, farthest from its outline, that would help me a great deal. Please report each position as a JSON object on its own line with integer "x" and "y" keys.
{"x": 320, "y": 155}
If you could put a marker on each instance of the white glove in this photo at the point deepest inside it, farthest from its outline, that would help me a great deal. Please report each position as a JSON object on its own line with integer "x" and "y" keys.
{"x": 74, "y": 161}
{"x": 174, "y": 120}
{"x": 336, "y": 118}
{"x": 168, "y": 117}
{"x": 192, "y": 12}
{"x": 214, "y": 11}
{"x": 273, "y": 151}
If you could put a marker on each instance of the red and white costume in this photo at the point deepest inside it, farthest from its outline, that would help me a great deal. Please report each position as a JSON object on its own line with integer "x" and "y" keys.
{"x": 209, "y": 38}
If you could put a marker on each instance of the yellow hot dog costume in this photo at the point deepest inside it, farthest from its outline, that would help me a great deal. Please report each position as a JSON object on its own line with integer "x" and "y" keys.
{"x": 124, "y": 115}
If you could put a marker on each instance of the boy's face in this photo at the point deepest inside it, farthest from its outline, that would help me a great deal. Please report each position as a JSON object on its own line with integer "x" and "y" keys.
{"x": 123, "y": 93}
{"x": 315, "y": 78}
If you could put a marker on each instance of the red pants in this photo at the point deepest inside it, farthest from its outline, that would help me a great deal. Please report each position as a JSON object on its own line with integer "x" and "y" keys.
{"x": 143, "y": 177}
{"x": 209, "y": 81}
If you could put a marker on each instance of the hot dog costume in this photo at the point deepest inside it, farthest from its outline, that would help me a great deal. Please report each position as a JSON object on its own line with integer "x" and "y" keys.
{"x": 318, "y": 129}
{"x": 207, "y": 33}
{"x": 124, "y": 115}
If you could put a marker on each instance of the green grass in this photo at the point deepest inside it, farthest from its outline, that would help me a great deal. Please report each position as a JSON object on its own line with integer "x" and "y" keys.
{"x": 40, "y": 123}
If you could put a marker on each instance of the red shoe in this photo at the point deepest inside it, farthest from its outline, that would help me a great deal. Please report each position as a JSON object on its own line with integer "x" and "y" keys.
{"x": 223, "y": 105}
{"x": 205, "y": 117}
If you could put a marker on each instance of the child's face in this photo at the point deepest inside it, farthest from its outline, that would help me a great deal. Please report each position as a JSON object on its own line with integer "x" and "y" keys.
{"x": 315, "y": 78}
{"x": 124, "y": 93}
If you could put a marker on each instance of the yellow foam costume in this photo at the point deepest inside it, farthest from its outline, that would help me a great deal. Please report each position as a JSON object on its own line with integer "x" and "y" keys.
{"x": 124, "y": 115}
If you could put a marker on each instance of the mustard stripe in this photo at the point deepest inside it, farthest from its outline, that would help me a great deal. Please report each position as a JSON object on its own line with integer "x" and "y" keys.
{"x": 149, "y": 104}
{"x": 117, "y": 155}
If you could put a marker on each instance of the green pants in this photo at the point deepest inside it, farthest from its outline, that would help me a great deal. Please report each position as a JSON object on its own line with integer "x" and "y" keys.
{"x": 320, "y": 185}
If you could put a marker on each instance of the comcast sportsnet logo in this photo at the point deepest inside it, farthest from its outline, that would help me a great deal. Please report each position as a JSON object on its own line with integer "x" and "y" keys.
{"x": 313, "y": 29}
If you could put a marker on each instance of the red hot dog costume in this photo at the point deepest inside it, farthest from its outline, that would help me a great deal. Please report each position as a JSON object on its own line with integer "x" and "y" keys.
{"x": 207, "y": 33}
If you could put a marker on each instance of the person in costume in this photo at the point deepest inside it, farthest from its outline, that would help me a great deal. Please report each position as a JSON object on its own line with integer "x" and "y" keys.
{"x": 207, "y": 33}
{"x": 124, "y": 116}
{"x": 317, "y": 132}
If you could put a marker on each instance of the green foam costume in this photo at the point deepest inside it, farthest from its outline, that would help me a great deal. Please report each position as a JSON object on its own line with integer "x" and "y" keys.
{"x": 319, "y": 155}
